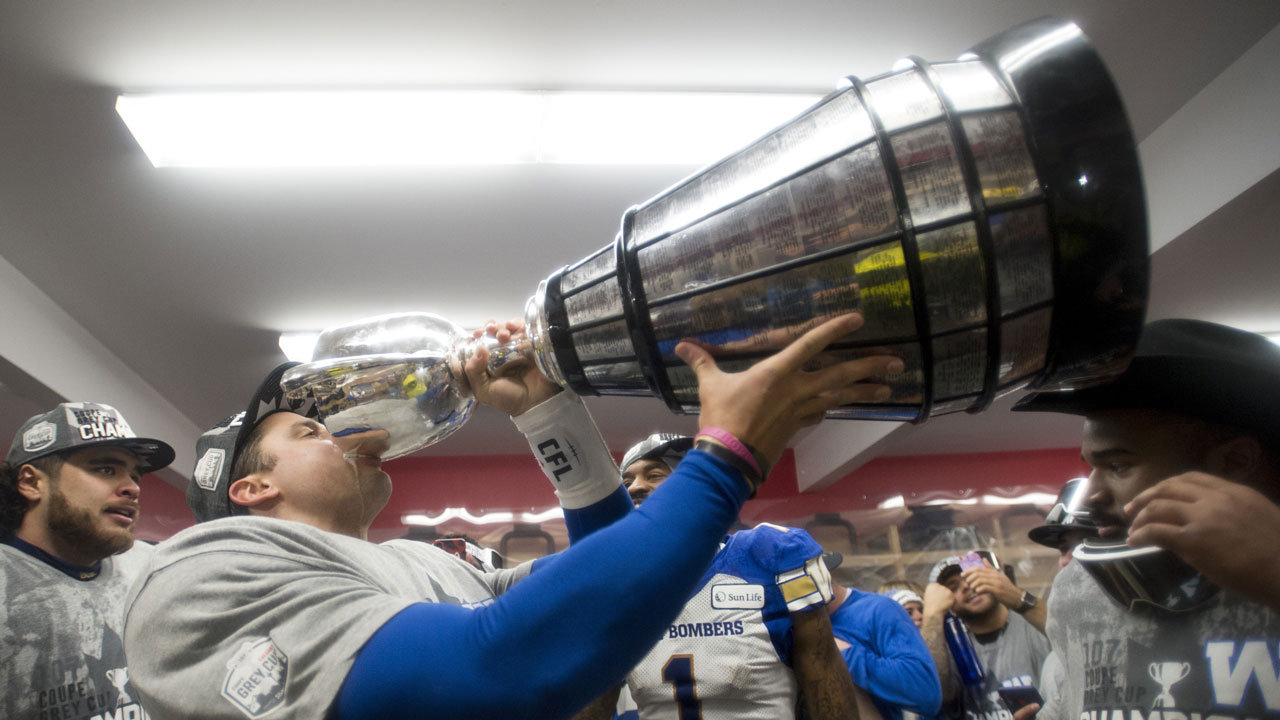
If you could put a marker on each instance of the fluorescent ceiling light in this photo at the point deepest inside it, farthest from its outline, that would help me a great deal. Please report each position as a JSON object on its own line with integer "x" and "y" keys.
{"x": 472, "y": 127}
{"x": 298, "y": 346}
{"x": 658, "y": 128}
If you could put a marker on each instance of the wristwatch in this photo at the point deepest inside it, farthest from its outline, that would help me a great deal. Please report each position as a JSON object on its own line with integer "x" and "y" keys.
{"x": 1028, "y": 601}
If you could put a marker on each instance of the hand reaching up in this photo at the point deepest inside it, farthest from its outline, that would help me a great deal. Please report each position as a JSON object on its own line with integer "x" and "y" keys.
{"x": 766, "y": 404}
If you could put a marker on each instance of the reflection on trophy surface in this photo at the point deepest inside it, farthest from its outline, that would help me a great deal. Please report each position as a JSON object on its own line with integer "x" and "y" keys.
{"x": 985, "y": 215}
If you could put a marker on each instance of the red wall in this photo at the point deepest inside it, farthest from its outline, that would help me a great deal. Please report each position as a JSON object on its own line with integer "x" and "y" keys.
{"x": 513, "y": 482}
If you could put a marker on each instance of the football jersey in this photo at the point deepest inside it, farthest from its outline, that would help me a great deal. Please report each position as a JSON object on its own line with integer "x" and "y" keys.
{"x": 728, "y": 654}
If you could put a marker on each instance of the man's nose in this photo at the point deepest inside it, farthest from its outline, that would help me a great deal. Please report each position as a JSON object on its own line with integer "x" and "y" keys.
{"x": 130, "y": 489}
{"x": 1095, "y": 493}
{"x": 639, "y": 489}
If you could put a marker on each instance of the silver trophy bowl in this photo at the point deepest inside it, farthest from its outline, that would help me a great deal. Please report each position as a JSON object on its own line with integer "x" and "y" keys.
{"x": 400, "y": 372}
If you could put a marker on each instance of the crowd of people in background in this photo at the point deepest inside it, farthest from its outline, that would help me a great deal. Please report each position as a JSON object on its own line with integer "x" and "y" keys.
{"x": 1166, "y": 605}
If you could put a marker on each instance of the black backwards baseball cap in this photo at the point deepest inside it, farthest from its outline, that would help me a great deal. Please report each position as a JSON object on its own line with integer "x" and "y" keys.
{"x": 1067, "y": 514}
{"x": 667, "y": 447}
{"x": 217, "y": 449}
{"x": 1191, "y": 367}
{"x": 75, "y": 425}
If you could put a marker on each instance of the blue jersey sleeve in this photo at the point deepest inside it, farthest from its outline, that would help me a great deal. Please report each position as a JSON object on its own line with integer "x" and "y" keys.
{"x": 584, "y": 521}
{"x": 540, "y": 650}
{"x": 777, "y": 558}
{"x": 887, "y": 656}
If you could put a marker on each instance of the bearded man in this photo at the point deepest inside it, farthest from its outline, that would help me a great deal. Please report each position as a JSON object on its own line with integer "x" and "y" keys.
{"x": 68, "y": 506}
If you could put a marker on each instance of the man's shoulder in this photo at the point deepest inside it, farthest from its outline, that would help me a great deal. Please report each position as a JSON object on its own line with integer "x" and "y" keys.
{"x": 259, "y": 537}
{"x": 140, "y": 551}
{"x": 769, "y": 549}
{"x": 132, "y": 562}
{"x": 860, "y": 603}
{"x": 418, "y": 552}
{"x": 18, "y": 569}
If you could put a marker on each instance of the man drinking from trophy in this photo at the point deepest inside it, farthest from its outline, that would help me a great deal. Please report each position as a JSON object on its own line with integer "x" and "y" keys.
{"x": 276, "y": 603}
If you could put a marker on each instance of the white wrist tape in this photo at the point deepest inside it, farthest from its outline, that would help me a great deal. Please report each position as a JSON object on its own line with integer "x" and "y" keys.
{"x": 570, "y": 450}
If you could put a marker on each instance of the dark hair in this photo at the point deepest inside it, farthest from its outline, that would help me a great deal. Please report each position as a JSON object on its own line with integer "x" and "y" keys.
{"x": 13, "y": 505}
{"x": 249, "y": 460}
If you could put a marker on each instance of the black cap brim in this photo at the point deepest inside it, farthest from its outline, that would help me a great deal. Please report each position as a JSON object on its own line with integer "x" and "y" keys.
{"x": 1051, "y": 535}
{"x": 152, "y": 454}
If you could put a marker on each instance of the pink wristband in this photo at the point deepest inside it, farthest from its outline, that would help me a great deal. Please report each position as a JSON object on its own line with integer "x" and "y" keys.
{"x": 726, "y": 438}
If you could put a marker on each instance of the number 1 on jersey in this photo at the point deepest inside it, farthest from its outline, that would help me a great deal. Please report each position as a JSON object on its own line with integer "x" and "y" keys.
{"x": 679, "y": 672}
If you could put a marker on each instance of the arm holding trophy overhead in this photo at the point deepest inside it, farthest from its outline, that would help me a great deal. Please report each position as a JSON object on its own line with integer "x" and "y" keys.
{"x": 506, "y": 644}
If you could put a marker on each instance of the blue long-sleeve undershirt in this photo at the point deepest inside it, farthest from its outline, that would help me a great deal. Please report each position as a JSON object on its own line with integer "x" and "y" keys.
{"x": 886, "y": 656}
{"x": 584, "y": 521}
{"x": 581, "y": 522}
{"x": 537, "y": 651}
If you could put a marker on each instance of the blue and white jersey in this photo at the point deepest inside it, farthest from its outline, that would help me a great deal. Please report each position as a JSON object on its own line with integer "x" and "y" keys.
{"x": 728, "y": 654}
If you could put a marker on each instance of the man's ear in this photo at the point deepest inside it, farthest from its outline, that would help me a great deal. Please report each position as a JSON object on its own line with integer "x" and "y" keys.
{"x": 32, "y": 483}
{"x": 253, "y": 490}
{"x": 1236, "y": 459}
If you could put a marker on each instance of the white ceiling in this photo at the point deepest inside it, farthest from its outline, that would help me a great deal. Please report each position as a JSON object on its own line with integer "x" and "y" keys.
{"x": 163, "y": 291}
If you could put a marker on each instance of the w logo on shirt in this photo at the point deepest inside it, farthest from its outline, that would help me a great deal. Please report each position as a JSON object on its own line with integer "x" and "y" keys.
{"x": 1230, "y": 671}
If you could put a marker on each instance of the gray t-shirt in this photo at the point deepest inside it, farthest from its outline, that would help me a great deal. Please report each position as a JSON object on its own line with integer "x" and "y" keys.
{"x": 1220, "y": 662}
{"x": 243, "y": 616}
{"x": 1052, "y": 678}
{"x": 1011, "y": 657}
{"x": 60, "y": 638}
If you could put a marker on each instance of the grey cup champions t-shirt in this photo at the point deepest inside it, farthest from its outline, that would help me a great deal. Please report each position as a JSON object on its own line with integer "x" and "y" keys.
{"x": 61, "y": 649}
{"x": 1218, "y": 663}
{"x": 242, "y": 617}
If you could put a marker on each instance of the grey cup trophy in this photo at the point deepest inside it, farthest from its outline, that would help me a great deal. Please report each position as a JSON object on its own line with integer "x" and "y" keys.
{"x": 985, "y": 215}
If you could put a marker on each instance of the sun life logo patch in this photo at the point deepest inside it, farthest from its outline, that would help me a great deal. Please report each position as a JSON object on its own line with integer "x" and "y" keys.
{"x": 255, "y": 677}
{"x": 737, "y": 597}
{"x": 39, "y": 436}
{"x": 209, "y": 468}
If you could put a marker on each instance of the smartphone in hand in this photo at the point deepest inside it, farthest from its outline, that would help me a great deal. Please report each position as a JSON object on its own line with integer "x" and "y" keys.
{"x": 973, "y": 559}
{"x": 1016, "y": 698}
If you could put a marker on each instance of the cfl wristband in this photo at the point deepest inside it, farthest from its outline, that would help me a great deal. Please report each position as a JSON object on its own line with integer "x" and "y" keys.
{"x": 750, "y": 472}
{"x": 570, "y": 450}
